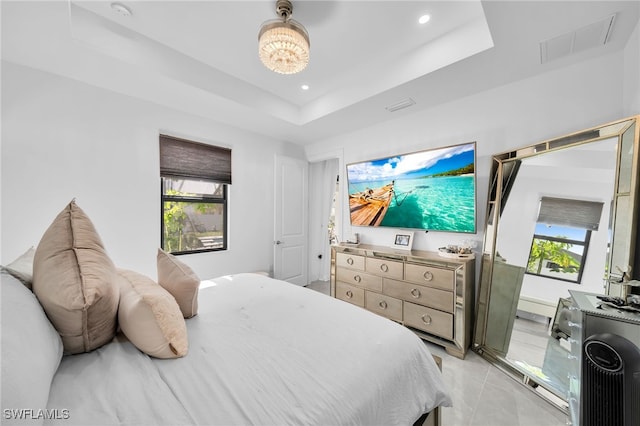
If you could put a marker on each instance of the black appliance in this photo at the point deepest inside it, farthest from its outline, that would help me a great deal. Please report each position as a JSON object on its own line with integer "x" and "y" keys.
{"x": 610, "y": 389}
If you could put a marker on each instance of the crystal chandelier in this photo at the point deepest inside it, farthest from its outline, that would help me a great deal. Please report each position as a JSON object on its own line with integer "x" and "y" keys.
{"x": 283, "y": 44}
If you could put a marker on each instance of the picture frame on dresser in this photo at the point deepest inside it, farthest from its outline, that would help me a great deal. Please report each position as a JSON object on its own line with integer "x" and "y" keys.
{"x": 403, "y": 240}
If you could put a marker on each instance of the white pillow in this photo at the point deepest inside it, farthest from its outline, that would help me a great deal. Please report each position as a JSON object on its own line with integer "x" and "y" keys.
{"x": 31, "y": 351}
{"x": 22, "y": 267}
{"x": 150, "y": 317}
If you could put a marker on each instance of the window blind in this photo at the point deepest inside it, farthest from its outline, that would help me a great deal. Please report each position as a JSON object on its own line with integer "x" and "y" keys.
{"x": 575, "y": 213}
{"x": 194, "y": 160}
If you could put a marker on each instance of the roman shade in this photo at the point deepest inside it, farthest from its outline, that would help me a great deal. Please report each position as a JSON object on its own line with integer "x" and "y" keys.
{"x": 574, "y": 213}
{"x": 181, "y": 158}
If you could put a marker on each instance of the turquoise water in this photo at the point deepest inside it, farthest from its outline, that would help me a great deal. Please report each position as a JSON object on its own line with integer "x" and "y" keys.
{"x": 439, "y": 204}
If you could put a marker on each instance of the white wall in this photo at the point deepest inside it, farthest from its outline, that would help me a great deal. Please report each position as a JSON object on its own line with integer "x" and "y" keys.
{"x": 631, "y": 83}
{"x": 321, "y": 190}
{"x": 63, "y": 139}
{"x": 317, "y": 220}
{"x": 518, "y": 114}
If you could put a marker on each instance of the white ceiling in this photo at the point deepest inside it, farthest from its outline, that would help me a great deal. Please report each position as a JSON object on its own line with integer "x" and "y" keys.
{"x": 201, "y": 56}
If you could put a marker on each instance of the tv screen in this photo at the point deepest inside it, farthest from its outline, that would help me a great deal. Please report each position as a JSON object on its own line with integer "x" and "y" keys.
{"x": 434, "y": 190}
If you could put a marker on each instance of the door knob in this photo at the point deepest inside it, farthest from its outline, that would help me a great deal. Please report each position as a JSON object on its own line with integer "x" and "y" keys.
{"x": 278, "y": 242}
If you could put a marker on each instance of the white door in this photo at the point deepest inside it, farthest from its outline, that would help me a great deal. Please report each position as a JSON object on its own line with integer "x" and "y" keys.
{"x": 290, "y": 230}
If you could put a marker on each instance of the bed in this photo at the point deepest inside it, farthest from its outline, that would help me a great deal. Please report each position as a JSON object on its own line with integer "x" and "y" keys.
{"x": 261, "y": 351}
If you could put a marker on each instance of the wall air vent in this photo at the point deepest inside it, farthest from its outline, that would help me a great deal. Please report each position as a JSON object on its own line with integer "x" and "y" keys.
{"x": 587, "y": 37}
{"x": 400, "y": 105}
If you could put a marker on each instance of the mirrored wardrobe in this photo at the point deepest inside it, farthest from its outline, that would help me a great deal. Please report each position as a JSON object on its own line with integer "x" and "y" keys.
{"x": 561, "y": 215}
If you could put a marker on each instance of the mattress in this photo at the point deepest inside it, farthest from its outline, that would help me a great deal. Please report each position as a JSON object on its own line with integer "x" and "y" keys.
{"x": 261, "y": 351}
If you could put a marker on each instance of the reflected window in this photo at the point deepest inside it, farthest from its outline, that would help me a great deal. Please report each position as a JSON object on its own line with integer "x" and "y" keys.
{"x": 561, "y": 238}
{"x": 558, "y": 252}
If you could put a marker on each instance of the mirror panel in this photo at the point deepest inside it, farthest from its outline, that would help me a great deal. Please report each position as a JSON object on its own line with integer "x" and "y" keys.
{"x": 528, "y": 266}
{"x": 623, "y": 227}
{"x": 626, "y": 161}
{"x": 621, "y": 243}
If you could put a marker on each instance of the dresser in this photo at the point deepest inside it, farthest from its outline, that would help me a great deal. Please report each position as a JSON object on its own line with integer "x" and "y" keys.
{"x": 587, "y": 319}
{"x": 430, "y": 294}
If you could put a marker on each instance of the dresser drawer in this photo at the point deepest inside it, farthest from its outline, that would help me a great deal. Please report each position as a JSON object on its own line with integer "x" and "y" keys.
{"x": 345, "y": 260}
{"x": 350, "y": 294}
{"x": 360, "y": 279}
{"x": 430, "y": 320}
{"x": 383, "y": 305}
{"x": 384, "y": 267}
{"x": 430, "y": 276}
{"x": 432, "y": 297}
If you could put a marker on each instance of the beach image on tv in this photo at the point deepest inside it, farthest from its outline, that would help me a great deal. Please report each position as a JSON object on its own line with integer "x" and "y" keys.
{"x": 432, "y": 190}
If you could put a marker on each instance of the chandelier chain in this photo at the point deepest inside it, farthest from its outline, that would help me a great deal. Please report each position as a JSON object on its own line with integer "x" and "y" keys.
{"x": 284, "y": 9}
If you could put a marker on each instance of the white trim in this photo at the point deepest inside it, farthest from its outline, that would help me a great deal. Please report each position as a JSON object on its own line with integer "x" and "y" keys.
{"x": 537, "y": 306}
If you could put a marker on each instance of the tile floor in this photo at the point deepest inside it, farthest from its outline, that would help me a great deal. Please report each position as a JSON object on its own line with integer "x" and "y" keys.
{"x": 537, "y": 353}
{"x": 483, "y": 395}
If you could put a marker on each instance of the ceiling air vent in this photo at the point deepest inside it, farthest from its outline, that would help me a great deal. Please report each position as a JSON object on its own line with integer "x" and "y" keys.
{"x": 587, "y": 37}
{"x": 400, "y": 105}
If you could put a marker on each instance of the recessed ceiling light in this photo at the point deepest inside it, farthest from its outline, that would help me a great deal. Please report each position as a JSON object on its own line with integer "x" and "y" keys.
{"x": 305, "y": 87}
{"x": 424, "y": 19}
{"x": 121, "y": 9}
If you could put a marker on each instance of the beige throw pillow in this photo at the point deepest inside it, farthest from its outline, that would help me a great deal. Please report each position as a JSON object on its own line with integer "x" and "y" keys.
{"x": 75, "y": 282}
{"x": 179, "y": 280}
{"x": 150, "y": 317}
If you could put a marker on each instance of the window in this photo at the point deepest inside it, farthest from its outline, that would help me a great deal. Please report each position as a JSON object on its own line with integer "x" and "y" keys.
{"x": 194, "y": 184}
{"x": 558, "y": 252}
{"x": 561, "y": 238}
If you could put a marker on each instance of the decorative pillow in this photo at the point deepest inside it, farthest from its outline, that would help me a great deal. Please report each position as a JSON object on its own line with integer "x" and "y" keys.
{"x": 22, "y": 267}
{"x": 179, "y": 280}
{"x": 31, "y": 351}
{"x": 150, "y": 317}
{"x": 75, "y": 281}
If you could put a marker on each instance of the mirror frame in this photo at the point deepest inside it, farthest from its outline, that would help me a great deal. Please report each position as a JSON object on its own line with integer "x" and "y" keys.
{"x": 623, "y": 233}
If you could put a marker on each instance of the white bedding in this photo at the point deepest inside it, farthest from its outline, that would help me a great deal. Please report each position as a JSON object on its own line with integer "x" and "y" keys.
{"x": 261, "y": 351}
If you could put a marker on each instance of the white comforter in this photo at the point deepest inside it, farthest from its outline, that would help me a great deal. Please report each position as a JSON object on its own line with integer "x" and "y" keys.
{"x": 261, "y": 351}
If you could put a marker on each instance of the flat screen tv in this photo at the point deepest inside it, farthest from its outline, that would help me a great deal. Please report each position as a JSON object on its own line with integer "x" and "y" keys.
{"x": 433, "y": 190}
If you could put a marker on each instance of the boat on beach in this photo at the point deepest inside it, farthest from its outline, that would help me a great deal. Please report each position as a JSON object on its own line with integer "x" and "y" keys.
{"x": 368, "y": 207}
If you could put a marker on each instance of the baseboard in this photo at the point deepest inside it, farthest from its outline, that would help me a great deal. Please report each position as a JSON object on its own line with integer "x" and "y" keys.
{"x": 537, "y": 306}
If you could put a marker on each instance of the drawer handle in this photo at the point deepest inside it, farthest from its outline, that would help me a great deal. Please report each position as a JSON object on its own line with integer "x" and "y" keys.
{"x": 349, "y": 294}
{"x": 426, "y": 319}
{"x": 350, "y": 261}
{"x": 357, "y": 278}
{"x": 415, "y": 293}
{"x": 428, "y": 276}
{"x": 383, "y": 304}
{"x": 384, "y": 267}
